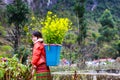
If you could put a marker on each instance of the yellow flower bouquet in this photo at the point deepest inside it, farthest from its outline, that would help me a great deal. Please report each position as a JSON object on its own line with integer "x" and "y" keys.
{"x": 54, "y": 28}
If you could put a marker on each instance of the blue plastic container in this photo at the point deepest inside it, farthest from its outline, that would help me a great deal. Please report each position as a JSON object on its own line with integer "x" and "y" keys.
{"x": 52, "y": 54}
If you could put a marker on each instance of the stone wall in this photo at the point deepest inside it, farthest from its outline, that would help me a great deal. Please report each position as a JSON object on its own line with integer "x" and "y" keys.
{"x": 84, "y": 76}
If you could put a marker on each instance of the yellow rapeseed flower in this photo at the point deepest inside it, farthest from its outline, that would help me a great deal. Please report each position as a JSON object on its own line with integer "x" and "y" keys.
{"x": 54, "y": 28}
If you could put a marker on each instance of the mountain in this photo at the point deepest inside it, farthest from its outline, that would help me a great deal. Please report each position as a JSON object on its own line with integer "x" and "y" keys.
{"x": 65, "y": 8}
{"x": 94, "y": 8}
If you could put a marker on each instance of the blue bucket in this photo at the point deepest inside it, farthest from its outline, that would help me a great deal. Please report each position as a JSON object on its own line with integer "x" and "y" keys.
{"x": 52, "y": 54}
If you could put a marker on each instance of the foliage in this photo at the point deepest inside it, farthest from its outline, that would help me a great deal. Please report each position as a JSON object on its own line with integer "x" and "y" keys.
{"x": 5, "y": 51}
{"x": 108, "y": 34}
{"x": 23, "y": 53}
{"x": 116, "y": 46}
{"x": 108, "y": 30}
{"x": 17, "y": 14}
{"x": 106, "y": 19}
{"x": 107, "y": 51}
{"x": 2, "y": 30}
{"x": 10, "y": 68}
{"x": 68, "y": 49}
{"x": 70, "y": 38}
{"x": 34, "y": 23}
{"x": 80, "y": 12}
{"x": 80, "y": 9}
{"x": 54, "y": 28}
{"x": 6, "y": 48}
{"x": 100, "y": 6}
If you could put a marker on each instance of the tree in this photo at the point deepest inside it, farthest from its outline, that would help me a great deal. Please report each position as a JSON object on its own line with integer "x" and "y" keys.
{"x": 106, "y": 19}
{"x": 80, "y": 11}
{"x": 108, "y": 34}
{"x": 17, "y": 14}
{"x": 108, "y": 30}
{"x": 82, "y": 29}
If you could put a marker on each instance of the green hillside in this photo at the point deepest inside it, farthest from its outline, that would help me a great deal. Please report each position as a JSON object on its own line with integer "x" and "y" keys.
{"x": 94, "y": 9}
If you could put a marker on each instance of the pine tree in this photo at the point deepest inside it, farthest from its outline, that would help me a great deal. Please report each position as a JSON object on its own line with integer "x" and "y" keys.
{"x": 108, "y": 35}
{"x": 107, "y": 31}
{"x": 80, "y": 11}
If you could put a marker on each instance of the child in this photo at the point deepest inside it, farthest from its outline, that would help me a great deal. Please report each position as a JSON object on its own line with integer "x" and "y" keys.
{"x": 39, "y": 58}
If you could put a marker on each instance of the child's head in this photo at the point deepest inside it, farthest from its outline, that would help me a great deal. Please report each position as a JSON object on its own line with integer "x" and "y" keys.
{"x": 36, "y": 35}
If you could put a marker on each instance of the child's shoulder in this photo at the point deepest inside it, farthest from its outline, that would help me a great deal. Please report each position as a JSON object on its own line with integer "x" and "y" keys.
{"x": 39, "y": 45}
